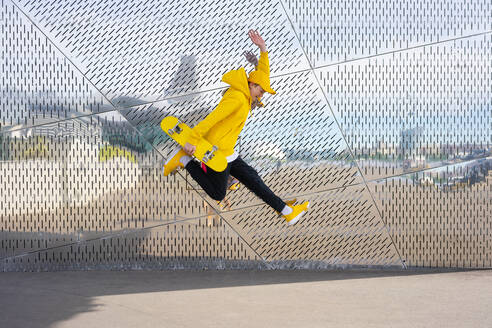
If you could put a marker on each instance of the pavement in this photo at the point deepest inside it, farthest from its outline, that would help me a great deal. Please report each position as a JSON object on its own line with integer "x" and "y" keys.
{"x": 341, "y": 298}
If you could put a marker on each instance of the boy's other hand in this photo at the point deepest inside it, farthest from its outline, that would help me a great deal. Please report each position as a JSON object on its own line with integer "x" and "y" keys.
{"x": 189, "y": 149}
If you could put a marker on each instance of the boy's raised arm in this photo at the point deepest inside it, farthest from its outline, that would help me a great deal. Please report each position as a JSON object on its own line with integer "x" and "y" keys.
{"x": 263, "y": 63}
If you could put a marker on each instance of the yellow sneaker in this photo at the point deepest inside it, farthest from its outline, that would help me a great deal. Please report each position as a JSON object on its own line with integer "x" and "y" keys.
{"x": 235, "y": 186}
{"x": 173, "y": 162}
{"x": 297, "y": 212}
{"x": 288, "y": 203}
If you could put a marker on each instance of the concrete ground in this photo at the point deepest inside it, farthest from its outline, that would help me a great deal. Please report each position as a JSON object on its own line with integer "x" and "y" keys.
{"x": 246, "y": 299}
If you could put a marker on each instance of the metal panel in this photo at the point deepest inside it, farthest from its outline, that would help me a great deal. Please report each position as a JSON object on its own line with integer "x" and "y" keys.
{"x": 38, "y": 84}
{"x": 416, "y": 109}
{"x": 81, "y": 179}
{"x": 341, "y": 228}
{"x": 149, "y": 50}
{"x": 440, "y": 217}
{"x": 190, "y": 244}
{"x": 333, "y": 31}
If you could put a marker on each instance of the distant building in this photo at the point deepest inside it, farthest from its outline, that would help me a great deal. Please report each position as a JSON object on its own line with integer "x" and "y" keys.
{"x": 411, "y": 141}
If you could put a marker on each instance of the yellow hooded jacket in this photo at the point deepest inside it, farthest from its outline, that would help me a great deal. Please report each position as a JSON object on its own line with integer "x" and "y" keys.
{"x": 222, "y": 126}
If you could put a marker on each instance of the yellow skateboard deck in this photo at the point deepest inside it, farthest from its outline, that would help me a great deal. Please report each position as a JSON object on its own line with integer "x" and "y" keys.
{"x": 205, "y": 152}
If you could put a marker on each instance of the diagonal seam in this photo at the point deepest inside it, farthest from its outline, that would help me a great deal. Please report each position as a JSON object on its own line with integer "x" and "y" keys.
{"x": 343, "y": 135}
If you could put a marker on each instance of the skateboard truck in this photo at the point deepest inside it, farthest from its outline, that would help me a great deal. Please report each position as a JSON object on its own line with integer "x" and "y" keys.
{"x": 175, "y": 128}
{"x": 209, "y": 154}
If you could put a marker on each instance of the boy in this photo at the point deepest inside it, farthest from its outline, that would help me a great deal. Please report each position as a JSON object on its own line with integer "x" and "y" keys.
{"x": 222, "y": 127}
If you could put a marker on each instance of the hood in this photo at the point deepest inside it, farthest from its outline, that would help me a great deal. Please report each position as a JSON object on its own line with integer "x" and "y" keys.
{"x": 238, "y": 79}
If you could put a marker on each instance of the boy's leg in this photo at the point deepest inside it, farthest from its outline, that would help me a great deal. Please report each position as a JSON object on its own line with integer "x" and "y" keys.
{"x": 250, "y": 178}
{"x": 214, "y": 183}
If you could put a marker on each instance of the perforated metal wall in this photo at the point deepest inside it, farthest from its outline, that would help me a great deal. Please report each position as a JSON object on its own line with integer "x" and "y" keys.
{"x": 382, "y": 120}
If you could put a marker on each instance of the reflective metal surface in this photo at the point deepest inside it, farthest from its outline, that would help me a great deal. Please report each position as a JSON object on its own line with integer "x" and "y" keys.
{"x": 333, "y": 31}
{"x": 183, "y": 245}
{"x": 381, "y": 120}
{"x": 81, "y": 179}
{"x": 38, "y": 84}
{"x": 157, "y": 49}
{"x": 417, "y": 109}
{"x": 440, "y": 217}
{"x": 342, "y": 228}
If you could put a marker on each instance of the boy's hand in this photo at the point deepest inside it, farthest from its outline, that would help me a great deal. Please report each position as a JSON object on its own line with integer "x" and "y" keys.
{"x": 189, "y": 149}
{"x": 251, "y": 58}
{"x": 257, "y": 39}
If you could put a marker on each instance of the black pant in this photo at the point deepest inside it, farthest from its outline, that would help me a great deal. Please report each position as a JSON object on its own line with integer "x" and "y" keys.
{"x": 215, "y": 183}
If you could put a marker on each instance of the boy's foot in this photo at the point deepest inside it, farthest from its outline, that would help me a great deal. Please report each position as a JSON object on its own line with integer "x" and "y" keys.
{"x": 234, "y": 184}
{"x": 297, "y": 212}
{"x": 173, "y": 162}
{"x": 288, "y": 203}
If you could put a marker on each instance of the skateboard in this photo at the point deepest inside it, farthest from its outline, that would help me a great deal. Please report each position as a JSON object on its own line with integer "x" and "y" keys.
{"x": 205, "y": 152}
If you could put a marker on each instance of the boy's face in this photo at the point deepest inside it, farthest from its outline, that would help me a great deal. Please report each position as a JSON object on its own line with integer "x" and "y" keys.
{"x": 256, "y": 91}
